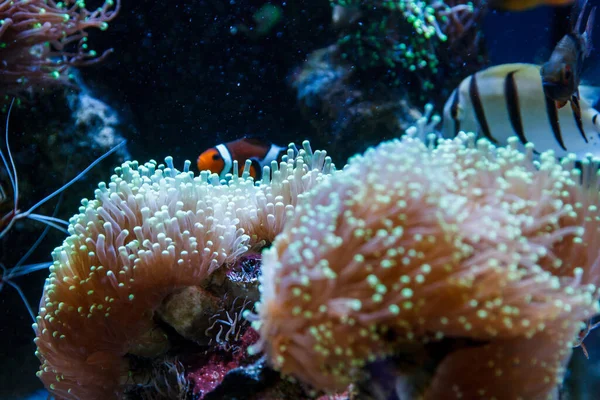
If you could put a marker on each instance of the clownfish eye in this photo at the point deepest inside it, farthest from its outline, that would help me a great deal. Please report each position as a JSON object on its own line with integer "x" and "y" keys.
{"x": 216, "y": 157}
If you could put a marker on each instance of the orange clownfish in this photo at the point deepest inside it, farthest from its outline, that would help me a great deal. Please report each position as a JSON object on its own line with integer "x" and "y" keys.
{"x": 219, "y": 159}
{"x": 521, "y": 5}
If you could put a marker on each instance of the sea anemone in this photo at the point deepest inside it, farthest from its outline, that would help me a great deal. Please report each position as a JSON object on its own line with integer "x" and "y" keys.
{"x": 414, "y": 244}
{"x": 150, "y": 231}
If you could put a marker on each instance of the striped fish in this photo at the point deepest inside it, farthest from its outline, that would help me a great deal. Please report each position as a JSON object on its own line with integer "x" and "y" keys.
{"x": 508, "y": 100}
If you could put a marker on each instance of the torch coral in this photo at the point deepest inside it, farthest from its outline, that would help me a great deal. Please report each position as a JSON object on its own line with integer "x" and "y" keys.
{"x": 412, "y": 244}
{"x": 150, "y": 231}
{"x": 41, "y": 39}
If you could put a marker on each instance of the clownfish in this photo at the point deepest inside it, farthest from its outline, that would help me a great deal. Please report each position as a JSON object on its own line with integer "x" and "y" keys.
{"x": 219, "y": 159}
{"x": 520, "y": 5}
{"x": 562, "y": 73}
{"x": 508, "y": 100}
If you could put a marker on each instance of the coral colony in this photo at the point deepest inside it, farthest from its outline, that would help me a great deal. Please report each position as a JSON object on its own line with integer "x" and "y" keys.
{"x": 411, "y": 248}
{"x": 426, "y": 268}
{"x": 41, "y": 39}
{"x": 413, "y": 244}
{"x": 149, "y": 232}
{"x": 404, "y": 38}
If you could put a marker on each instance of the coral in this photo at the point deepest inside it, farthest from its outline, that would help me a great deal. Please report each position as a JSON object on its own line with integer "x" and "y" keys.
{"x": 148, "y": 233}
{"x": 475, "y": 260}
{"x": 41, "y": 39}
{"x": 408, "y": 39}
{"x": 390, "y": 59}
{"x": 211, "y": 372}
{"x": 370, "y": 48}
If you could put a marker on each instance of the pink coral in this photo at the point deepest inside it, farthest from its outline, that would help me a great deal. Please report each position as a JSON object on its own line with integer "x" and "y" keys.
{"x": 210, "y": 373}
{"x": 411, "y": 244}
{"x": 149, "y": 232}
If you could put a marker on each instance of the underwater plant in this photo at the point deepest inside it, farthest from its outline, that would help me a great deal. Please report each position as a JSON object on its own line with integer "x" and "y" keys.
{"x": 469, "y": 268}
{"x": 41, "y": 39}
{"x": 149, "y": 232}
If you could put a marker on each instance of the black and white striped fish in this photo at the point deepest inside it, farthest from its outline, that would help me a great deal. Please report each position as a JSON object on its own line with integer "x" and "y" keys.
{"x": 508, "y": 100}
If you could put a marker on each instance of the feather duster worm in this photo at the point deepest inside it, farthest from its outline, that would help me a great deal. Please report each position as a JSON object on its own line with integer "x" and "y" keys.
{"x": 150, "y": 231}
{"x": 414, "y": 244}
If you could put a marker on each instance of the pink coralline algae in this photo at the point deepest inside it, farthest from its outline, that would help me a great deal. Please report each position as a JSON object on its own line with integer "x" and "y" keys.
{"x": 208, "y": 372}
